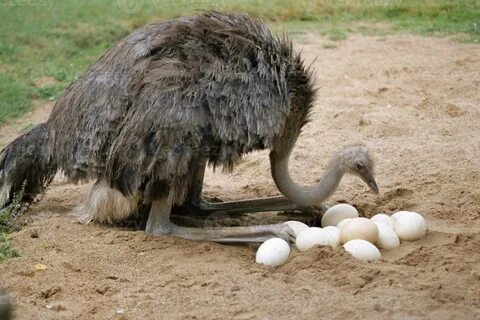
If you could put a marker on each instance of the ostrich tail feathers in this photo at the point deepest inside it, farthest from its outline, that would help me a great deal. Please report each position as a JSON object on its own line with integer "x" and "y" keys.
{"x": 26, "y": 164}
{"x": 106, "y": 205}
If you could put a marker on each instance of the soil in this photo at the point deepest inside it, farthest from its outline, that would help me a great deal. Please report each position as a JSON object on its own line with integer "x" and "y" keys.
{"x": 414, "y": 101}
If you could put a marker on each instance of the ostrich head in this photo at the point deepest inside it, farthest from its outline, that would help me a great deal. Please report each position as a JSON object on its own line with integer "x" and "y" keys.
{"x": 356, "y": 160}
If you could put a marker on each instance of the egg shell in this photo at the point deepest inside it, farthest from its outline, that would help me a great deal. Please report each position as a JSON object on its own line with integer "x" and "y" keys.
{"x": 359, "y": 228}
{"x": 362, "y": 250}
{"x": 312, "y": 237}
{"x": 383, "y": 218}
{"x": 273, "y": 252}
{"x": 297, "y": 226}
{"x": 387, "y": 238}
{"x": 341, "y": 223}
{"x": 409, "y": 226}
{"x": 337, "y": 213}
{"x": 334, "y": 235}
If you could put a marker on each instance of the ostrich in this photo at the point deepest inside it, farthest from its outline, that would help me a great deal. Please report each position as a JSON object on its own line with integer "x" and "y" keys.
{"x": 163, "y": 103}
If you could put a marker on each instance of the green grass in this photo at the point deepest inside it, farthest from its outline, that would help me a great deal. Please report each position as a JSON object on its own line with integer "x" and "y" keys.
{"x": 14, "y": 97}
{"x": 45, "y": 44}
{"x": 6, "y": 251}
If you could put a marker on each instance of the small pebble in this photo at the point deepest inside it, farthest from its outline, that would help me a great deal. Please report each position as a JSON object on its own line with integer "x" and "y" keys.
{"x": 34, "y": 234}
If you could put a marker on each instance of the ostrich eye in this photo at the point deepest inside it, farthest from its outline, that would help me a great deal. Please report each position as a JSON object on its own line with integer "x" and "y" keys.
{"x": 360, "y": 166}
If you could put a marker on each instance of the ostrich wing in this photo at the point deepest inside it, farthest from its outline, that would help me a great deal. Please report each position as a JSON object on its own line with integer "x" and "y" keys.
{"x": 213, "y": 83}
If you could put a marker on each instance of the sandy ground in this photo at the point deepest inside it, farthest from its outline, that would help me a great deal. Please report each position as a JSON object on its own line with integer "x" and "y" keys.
{"x": 414, "y": 101}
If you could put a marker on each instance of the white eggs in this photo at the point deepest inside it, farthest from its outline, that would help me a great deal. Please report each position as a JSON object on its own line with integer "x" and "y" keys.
{"x": 337, "y": 213}
{"x": 387, "y": 238}
{"x": 382, "y": 218}
{"x": 297, "y": 226}
{"x": 361, "y": 237}
{"x": 334, "y": 235}
{"x": 341, "y": 223}
{"x": 409, "y": 226}
{"x": 359, "y": 228}
{"x": 313, "y": 237}
{"x": 273, "y": 252}
{"x": 362, "y": 250}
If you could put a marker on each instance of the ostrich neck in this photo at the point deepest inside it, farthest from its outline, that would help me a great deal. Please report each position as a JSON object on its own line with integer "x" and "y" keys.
{"x": 305, "y": 195}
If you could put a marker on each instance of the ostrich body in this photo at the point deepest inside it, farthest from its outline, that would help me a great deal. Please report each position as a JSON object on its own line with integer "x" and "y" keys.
{"x": 164, "y": 102}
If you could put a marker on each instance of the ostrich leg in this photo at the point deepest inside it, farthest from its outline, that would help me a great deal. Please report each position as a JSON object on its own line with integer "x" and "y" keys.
{"x": 159, "y": 224}
{"x": 197, "y": 207}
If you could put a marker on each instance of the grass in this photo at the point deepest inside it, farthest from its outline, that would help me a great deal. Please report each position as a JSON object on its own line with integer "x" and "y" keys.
{"x": 14, "y": 98}
{"x": 6, "y": 251}
{"x": 46, "y": 44}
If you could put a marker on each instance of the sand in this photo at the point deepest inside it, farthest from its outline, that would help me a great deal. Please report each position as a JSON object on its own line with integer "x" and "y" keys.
{"x": 414, "y": 101}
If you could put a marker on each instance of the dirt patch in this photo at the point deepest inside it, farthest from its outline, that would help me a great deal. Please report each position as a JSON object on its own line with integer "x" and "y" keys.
{"x": 414, "y": 101}
{"x": 14, "y": 128}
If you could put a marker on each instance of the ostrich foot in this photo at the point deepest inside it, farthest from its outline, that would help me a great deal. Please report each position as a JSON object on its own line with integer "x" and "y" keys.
{"x": 159, "y": 224}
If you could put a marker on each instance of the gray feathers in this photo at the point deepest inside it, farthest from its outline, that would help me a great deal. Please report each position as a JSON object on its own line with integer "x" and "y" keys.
{"x": 28, "y": 160}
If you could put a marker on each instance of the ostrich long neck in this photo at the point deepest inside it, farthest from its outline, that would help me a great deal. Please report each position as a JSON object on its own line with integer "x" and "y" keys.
{"x": 303, "y": 195}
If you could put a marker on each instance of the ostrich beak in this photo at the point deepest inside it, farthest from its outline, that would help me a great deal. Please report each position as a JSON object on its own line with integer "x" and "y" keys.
{"x": 373, "y": 186}
{"x": 370, "y": 181}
